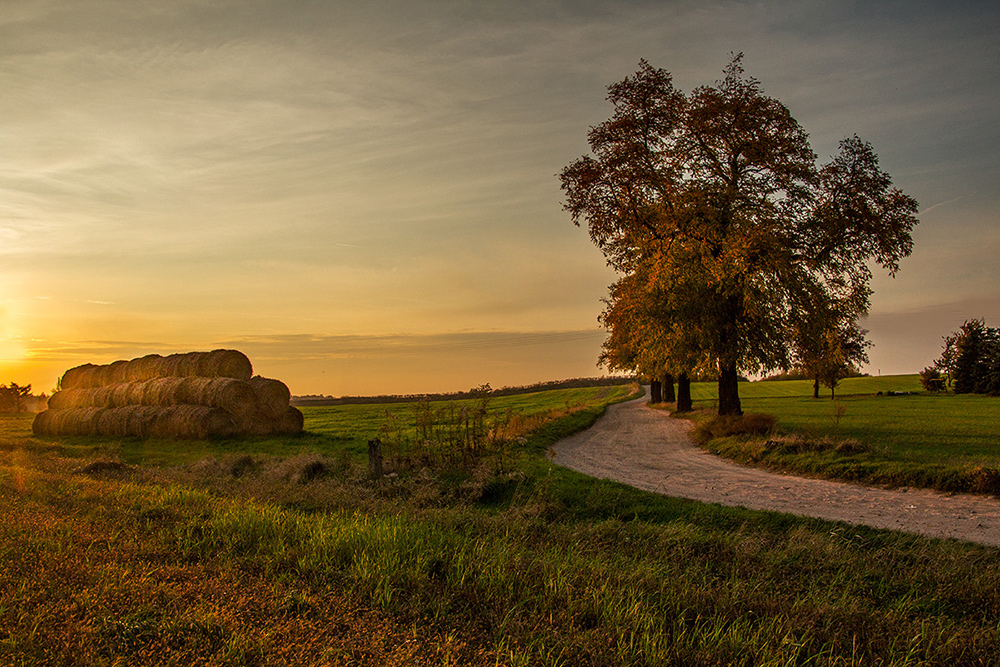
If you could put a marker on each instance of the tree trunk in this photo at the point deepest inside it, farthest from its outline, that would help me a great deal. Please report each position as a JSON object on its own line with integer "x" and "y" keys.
{"x": 729, "y": 392}
{"x": 683, "y": 393}
{"x": 816, "y": 387}
{"x": 668, "y": 389}
{"x": 655, "y": 391}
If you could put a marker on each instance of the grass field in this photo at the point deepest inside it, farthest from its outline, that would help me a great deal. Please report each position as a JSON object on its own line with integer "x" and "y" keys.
{"x": 241, "y": 559}
{"x": 945, "y": 441}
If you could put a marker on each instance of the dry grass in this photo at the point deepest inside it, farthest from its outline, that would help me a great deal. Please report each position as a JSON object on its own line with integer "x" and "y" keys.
{"x": 753, "y": 424}
{"x": 116, "y": 590}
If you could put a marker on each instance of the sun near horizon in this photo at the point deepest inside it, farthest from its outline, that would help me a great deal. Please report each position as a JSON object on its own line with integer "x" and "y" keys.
{"x": 364, "y": 199}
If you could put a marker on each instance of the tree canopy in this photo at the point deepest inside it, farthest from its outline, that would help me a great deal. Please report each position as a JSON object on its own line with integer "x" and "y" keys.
{"x": 971, "y": 359}
{"x": 712, "y": 206}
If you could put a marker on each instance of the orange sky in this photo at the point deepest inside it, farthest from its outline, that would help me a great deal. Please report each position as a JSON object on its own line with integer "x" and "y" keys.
{"x": 363, "y": 196}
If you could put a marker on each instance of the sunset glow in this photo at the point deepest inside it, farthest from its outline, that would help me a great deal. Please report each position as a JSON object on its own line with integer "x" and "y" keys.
{"x": 363, "y": 197}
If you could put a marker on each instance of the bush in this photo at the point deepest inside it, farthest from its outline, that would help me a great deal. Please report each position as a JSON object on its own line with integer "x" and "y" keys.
{"x": 724, "y": 426}
{"x": 931, "y": 379}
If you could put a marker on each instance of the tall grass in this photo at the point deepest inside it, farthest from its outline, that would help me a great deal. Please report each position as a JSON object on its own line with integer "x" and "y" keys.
{"x": 242, "y": 559}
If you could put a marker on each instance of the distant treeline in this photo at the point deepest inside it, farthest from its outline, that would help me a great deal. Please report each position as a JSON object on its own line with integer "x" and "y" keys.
{"x": 18, "y": 398}
{"x": 614, "y": 381}
{"x": 800, "y": 374}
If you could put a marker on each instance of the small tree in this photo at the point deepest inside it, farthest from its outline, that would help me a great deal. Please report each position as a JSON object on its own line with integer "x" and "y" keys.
{"x": 969, "y": 371}
{"x": 971, "y": 359}
{"x": 931, "y": 380}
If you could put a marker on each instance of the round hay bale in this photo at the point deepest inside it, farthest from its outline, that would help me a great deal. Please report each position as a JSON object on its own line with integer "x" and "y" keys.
{"x": 116, "y": 372}
{"x": 225, "y": 363}
{"x": 75, "y": 421}
{"x": 168, "y": 366}
{"x": 43, "y": 424}
{"x": 111, "y": 422}
{"x": 65, "y": 399}
{"x": 217, "y": 363}
{"x": 134, "y": 393}
{"x": 272, "y": 396}
{"x": 236, "y": 397}
{"x": 144, "y": 368}
{"x": 94, "y": 397}
{"x": 188, "y": 390}
{"x": 188, "y": 364}
{"x": 192, "y": 422}
{"x": 80, "y": 376}
{"x": 291, "y": 422}
{"x": 159, "y": 391}
{"x": 97, "y": 397}
{"x": 140, "y": 419}
{"x": 119, "y": 395}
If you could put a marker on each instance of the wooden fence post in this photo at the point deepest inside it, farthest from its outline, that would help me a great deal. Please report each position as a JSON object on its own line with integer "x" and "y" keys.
{"x": 375, "y": 458}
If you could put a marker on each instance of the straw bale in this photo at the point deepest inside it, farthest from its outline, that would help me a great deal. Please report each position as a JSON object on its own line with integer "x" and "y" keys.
{"x": 120, "y": 395}
{"x": 134, "y": 393}
{"x": 140, "y": 419}
{"x": 76, "y": 421}
{"x": 178, "y": 421}
{"x": 111, "y": 422}
{"x": 80, "y": 376}
{"x": 272, "y": 396}
{"x": 192, "y": 421}
{"x": 43, "y": 422}
{"x": 225, "y": 363}
{"x": 291, "y": 422}
{"x": 230, "y": 394}
{"x": 143, "y": 368}
{"x": 187, "y": 365}
{"x": 159, "y": 391}
{"x": 217, "y": 363}
{"x": 116, "y": 372}
{"x": 92, "y": 397}
{"x": 66, "y": 398}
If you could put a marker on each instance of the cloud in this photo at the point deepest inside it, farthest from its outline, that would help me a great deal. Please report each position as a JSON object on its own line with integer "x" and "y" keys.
{"x": 219, "y": 170}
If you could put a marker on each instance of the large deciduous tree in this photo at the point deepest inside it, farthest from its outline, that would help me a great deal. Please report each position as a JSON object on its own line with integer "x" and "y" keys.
{"x": 711, "y": 203}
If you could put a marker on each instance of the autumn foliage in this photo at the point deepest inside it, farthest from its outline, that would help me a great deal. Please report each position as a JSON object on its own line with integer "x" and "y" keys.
{"x": 712, "y": 207}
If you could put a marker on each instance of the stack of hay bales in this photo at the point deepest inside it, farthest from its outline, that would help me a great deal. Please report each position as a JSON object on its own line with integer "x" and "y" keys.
{"x": 194, "y": 395}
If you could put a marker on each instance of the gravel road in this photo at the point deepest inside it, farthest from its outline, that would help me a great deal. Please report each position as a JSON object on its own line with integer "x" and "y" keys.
{"x": 645, "y": 448}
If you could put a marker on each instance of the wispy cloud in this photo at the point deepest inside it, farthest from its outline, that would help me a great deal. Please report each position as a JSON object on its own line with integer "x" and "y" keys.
{"x": 216, "y": 171}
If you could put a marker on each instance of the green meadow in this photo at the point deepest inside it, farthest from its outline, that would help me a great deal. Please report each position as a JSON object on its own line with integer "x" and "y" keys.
{"x": 286, "y": 551}
{"x": 944, "y": 441}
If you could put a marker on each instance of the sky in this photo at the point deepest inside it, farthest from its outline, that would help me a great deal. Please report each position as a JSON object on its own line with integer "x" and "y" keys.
{"x": 363, "y": 196}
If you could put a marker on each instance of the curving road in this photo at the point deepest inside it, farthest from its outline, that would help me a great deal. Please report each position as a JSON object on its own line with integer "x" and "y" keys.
{"x": 647, "y": 449}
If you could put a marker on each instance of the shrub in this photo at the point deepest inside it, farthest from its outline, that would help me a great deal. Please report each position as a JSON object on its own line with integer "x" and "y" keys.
{"x": 931, "y": 379}
{"x": 728, "y": 425}
{"x": 985, "y": 479}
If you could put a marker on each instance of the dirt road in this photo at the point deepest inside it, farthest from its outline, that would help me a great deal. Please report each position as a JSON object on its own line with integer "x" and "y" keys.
{"x": 647, "y": 449}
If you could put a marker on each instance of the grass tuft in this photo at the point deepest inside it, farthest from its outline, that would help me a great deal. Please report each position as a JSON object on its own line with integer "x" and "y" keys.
{"x": 724, "y": 426}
